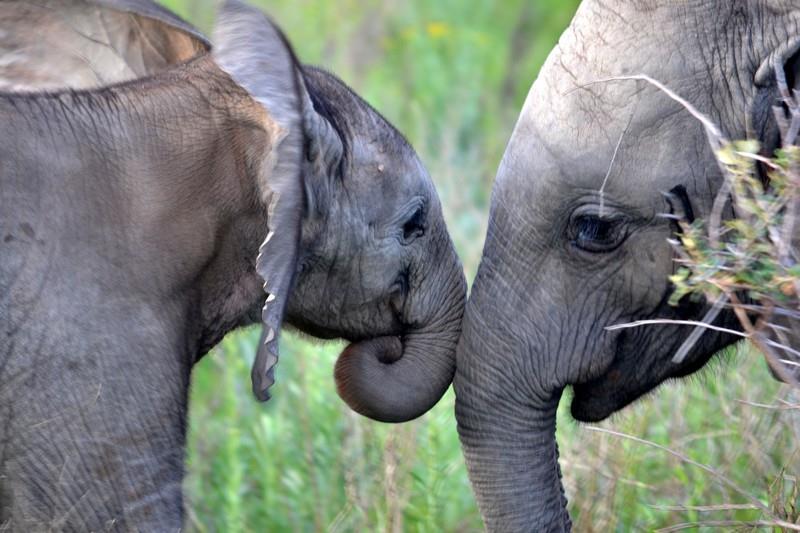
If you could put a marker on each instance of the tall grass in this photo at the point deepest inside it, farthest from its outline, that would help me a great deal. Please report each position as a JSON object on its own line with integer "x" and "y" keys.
{"x": 452, "y": 75}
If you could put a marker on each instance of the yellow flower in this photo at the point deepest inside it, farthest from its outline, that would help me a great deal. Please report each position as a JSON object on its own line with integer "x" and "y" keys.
{"x": 437, "y": 30}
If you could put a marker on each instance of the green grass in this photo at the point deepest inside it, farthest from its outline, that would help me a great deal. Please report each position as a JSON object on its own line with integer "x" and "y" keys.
{"x": 452, "y": 75}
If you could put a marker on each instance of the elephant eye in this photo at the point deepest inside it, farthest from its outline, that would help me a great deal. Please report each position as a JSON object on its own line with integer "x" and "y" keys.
{"x": 414, "y": 227}
{"x": 596, "y": 235}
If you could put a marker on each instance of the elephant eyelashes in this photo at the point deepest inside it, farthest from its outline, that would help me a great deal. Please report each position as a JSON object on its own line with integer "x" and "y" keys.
{"x": 414, "y": 227}
{"x": 596, "y": 235}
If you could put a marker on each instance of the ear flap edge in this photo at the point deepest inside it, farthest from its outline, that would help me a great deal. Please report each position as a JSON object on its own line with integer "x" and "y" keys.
{"x": 255, "y": 53}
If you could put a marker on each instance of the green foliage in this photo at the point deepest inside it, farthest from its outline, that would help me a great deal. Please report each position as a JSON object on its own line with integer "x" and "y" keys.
{"x": 745, "y": 255}
{"x": 452, "y": 75}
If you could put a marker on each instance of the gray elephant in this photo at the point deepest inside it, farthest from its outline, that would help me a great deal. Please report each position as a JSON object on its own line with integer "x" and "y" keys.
{"x": 139, "y": 175}
{"x": 576, "y": 242}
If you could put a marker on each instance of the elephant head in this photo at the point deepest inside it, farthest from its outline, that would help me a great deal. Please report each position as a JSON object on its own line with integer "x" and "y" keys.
{"x": 357, "y": 245}
{"x": 577, "y": 242}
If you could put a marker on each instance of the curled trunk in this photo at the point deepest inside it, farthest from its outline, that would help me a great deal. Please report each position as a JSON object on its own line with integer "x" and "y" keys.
{"x": 396, "y": 379}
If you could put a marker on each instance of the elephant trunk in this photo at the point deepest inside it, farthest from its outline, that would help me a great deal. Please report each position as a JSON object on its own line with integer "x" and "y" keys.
{"x": 507, "y": 432}
{"x": 396, "y": 379}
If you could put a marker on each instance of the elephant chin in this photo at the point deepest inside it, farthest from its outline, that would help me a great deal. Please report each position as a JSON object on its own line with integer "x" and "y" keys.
{"x": 599, "y": 398}
{"x": 592, "y": 404}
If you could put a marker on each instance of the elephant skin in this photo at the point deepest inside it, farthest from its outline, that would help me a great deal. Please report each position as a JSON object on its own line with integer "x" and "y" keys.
{"x": 576, "y": 241}
{"x": 136, "y": 198}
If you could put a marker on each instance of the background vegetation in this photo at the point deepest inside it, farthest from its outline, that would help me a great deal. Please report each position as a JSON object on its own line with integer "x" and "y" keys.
{"x": 452, "y": 75}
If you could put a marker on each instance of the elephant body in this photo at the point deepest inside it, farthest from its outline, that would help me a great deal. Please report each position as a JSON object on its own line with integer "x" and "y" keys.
{"x": 133, "y": 215}
{"x": 577, "y": 242}
{"x": 99, "y": 330}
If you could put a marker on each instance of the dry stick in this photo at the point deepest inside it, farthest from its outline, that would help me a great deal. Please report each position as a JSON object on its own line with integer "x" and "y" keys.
{"x": 759, "y": 340}
{"x": 725, "y": 480}
{"x": 665, "y": 321}
{"x": 784, "y": 344}
{"x": 697, "y": 332}
{"x": 720, "y": 524}
{"x": 785, "y": 407}
{"x": 788, "y": 313}
{"x": 707, "y": 508}
{"x": 611, "y": 165}
{"x": 711, "y": 129}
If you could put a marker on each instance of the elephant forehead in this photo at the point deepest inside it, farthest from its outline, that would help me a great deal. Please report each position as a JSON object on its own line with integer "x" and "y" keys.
{"x": 386, "y": 181}
{"x": 560, "y": 152}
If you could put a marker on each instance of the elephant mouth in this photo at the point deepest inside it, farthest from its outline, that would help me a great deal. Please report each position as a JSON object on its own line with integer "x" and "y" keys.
{"x": 598, "y": 399}
{"x": 629, "y": 376}
{"x": 625, "y": 379}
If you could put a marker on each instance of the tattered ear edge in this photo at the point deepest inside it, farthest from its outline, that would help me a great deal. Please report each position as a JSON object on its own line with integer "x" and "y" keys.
{"x": 279, "y": 172}
{"x": 277, "y": 256}
{"x": 276, "y": 262}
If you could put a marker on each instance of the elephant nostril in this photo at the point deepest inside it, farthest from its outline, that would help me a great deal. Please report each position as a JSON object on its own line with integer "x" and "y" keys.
{"x": 390, "y": 350}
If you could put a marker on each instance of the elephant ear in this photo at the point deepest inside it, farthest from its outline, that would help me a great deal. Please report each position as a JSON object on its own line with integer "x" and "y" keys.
{"x": 254, "y": 52}
{"x": 52, "y": 45}
{"x": 780, "y": 69}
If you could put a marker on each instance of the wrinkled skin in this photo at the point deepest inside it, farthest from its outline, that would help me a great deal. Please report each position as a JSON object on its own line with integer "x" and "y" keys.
{"x": 566, "y": 256}
{"x": 131, "y": 223}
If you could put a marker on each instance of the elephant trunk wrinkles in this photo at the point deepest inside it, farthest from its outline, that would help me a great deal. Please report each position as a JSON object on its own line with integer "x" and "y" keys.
{"x": 509, "y": 446}
{"x": 396, "y": 379}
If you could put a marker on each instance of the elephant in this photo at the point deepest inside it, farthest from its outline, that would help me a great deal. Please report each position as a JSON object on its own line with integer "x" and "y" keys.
{"x": 577, "y": 241}
{"x": 158, "y": 192}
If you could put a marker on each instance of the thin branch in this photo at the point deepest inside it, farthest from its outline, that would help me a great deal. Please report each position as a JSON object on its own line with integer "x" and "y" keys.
{"x": 785, "y": 348}
{"x": 692, "y": 339}
{"x": 715, "y": 218}
{"x": 664, "y": 321}
{"x": 758, "y": 338}
{"x": 725, "y": 480}
{"x": 725, "y": 524}
{"x": 785, "y": 407}
{"x": 711, "y": 129}
{"x": 707, "y": 508}
{"x": 611, "y": 165}
{"x": 760, "y": 158}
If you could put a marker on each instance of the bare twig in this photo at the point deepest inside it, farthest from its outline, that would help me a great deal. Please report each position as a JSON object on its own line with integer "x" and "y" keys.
{"x": 707, "y": 508}
{"x": 785, "y": 407}
{"x": 692, "y": 339}
{"x": 724, "y": 524}
{"x": 611, "y": 164}
{"x": 758, "y": 338}
{"x": 723, "y": 479}
{"x": 714, "y": 133}
{"x": 665, "y": 321}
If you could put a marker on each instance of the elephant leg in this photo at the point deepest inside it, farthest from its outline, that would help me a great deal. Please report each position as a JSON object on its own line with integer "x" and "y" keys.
{"x": 101, "y": 452}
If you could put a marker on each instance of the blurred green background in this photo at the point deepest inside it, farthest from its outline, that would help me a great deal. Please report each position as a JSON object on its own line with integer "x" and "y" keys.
{"x": 452, "y": 75}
